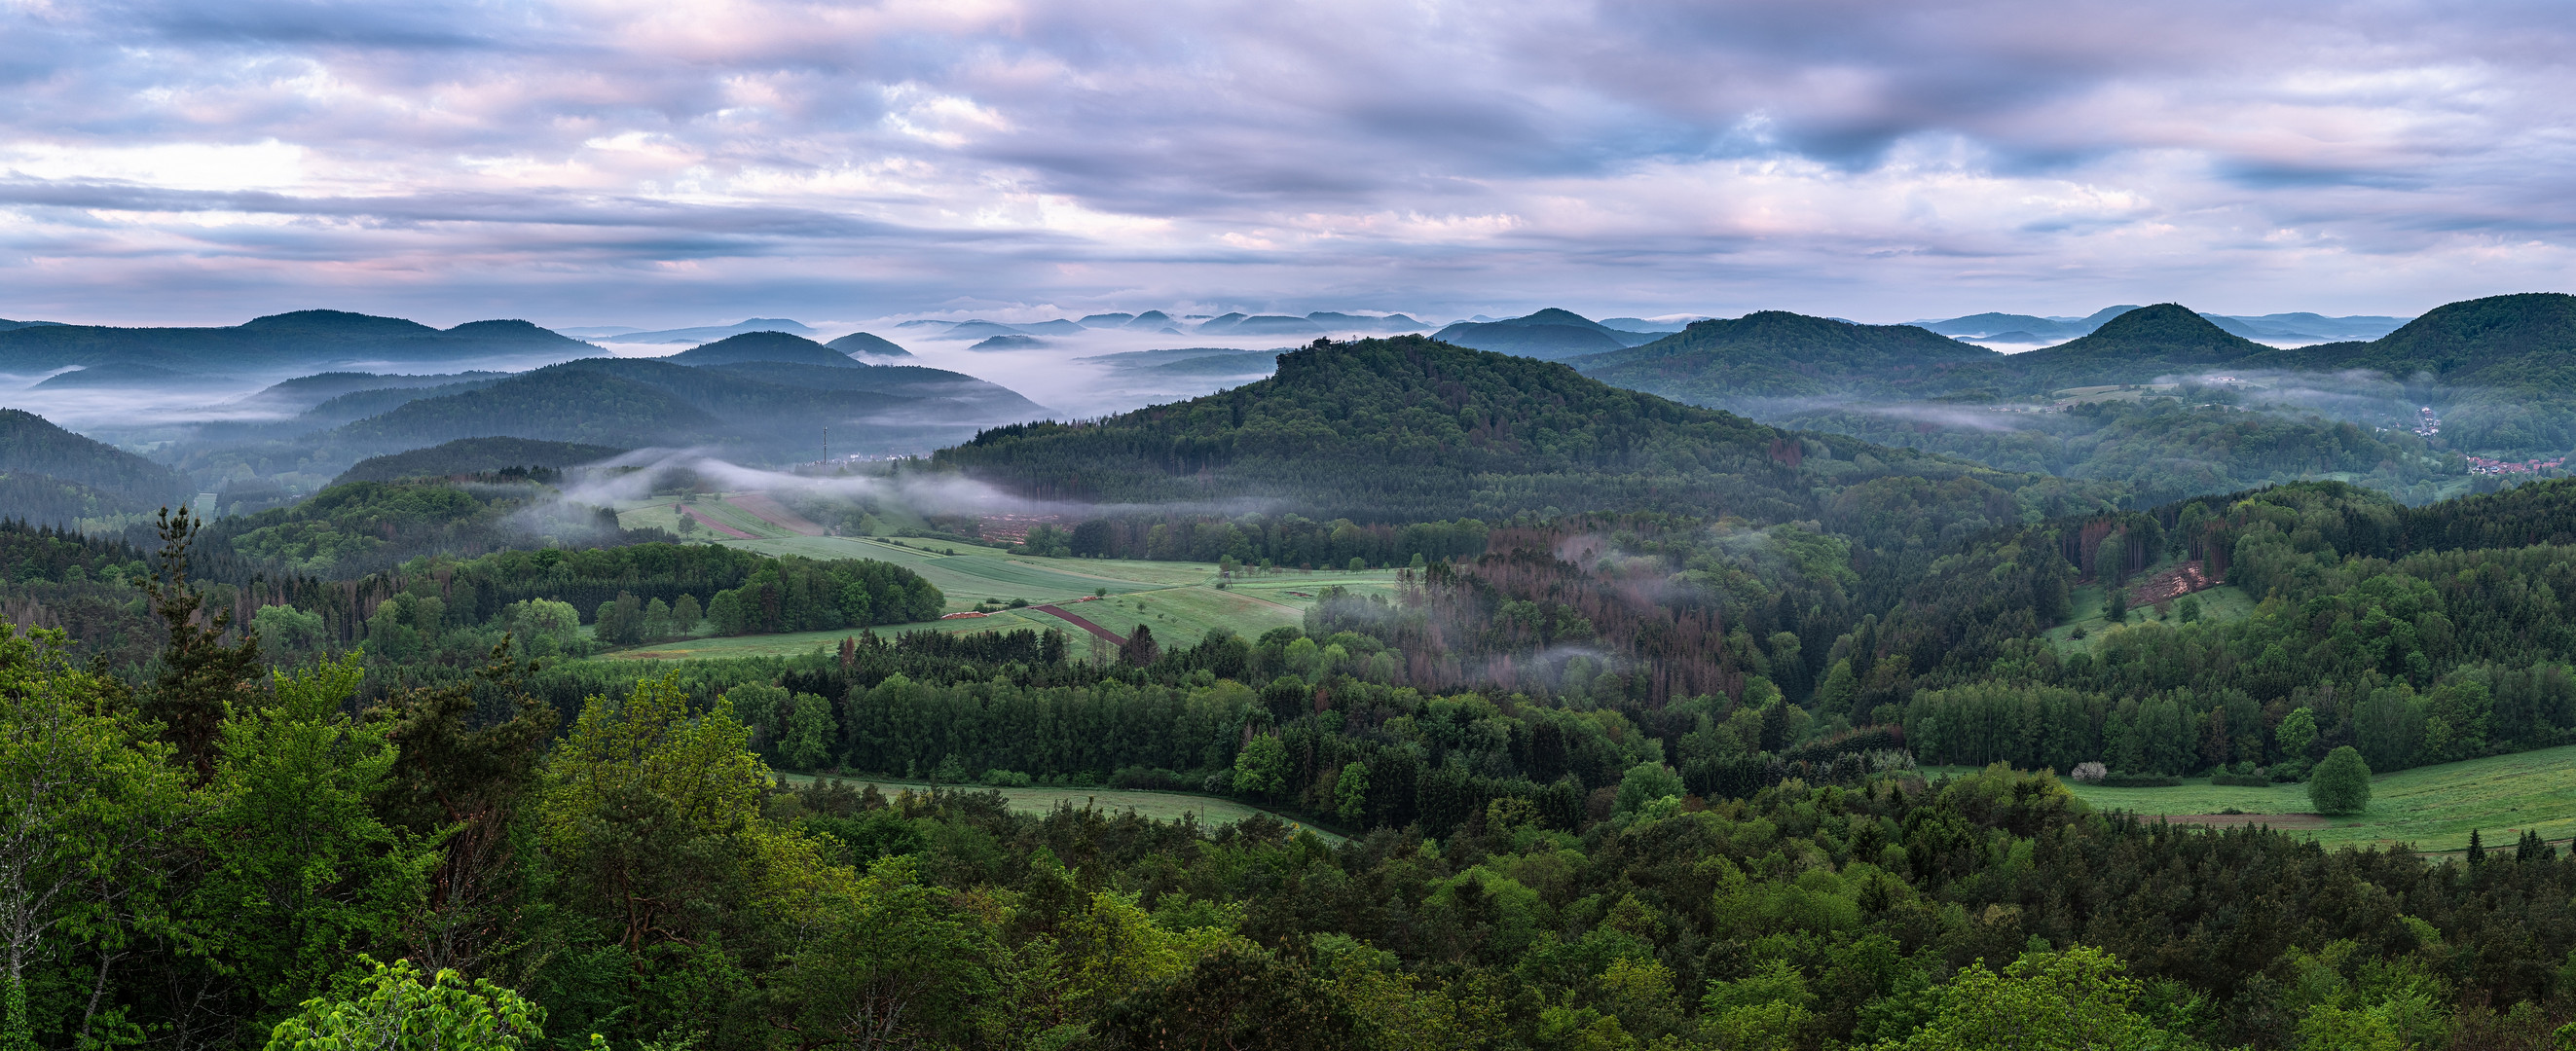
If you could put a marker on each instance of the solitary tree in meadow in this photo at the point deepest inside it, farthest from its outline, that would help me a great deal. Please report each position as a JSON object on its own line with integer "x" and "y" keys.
{"x": 2341, "y": 784}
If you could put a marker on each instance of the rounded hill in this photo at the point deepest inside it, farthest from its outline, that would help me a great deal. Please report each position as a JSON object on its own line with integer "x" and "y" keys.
{"x": 763, "y": 346}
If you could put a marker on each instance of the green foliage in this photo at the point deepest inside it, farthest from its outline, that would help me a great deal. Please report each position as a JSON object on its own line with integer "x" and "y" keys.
{"x": 358, "y": 527}
{"x": 2071, "y": 1000}
{"x": 1645, "y": 783}
{"x": 87, "y": 802}
{"x": 475, "y": 456}
{"x": 793, "y": 593}
{"x": 402, "y": 1010}
{"x": 1260, "y": 768}
{"x": 303, "y": 872}
{"x": 2340, "y": 783}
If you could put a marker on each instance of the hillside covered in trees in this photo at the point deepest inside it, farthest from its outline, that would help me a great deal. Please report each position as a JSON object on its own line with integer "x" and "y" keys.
{"x": 1407, "y": 429}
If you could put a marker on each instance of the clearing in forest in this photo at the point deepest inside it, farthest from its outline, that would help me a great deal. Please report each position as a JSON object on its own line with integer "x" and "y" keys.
{"x": 2432, "y": 808}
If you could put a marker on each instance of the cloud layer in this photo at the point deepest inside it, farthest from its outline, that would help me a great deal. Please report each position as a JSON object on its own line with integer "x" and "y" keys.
{"x": 675, "y": 163}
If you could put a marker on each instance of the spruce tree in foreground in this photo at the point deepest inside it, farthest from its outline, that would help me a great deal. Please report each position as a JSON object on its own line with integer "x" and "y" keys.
{"x": 2341, "y": 784}
{"x": 200, "y": 677}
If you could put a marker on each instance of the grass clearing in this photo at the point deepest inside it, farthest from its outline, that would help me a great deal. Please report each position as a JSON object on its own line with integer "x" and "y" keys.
{"x": 1179, "y": 600}
{"x": 2224, "y": 602}
{"x": 1212, "y": 811}
{"x": 2432, "y": 808}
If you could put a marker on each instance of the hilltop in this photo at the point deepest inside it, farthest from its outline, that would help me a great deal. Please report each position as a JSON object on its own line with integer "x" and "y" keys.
{"x": 1411, "y": 429}
{"x": 867, "y": 343}
{"x": 2135, "y": 347}
{"x": 1771, "y": 355}
{"x": 1551, "y": 334}
{"x": 2517, "y": 342}
{"x": 302, "y": 339}
{"x": 763, "y": 346}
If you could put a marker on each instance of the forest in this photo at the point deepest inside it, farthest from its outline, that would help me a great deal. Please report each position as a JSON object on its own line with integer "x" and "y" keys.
{"x": 1657, "y": 728}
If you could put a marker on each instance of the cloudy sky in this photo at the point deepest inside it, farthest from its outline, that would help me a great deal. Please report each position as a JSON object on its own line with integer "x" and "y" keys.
{"x": 659, "y": 163}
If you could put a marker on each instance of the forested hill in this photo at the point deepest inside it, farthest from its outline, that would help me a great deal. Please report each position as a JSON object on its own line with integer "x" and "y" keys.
{"x": 1773, "y": 354}
{"x": 301, "y": 338}
{"x": 31, "y": 444}
{"x": 1411, "y": 429}
{"x": 2514, "y": 342}
{"x": 474, "y": 456}
{"x": 2135, "y": 347}
{"x": 763, "y": 346}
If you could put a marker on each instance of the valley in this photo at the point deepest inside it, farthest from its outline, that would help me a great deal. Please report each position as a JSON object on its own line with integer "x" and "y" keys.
{"x": 1399, "y": 608}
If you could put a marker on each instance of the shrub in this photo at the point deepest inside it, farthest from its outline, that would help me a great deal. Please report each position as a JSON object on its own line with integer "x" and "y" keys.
{"x": 2341, "y": 784}
{"x": 2140, "y": 781}
{"x": 2090, "y": 773}
{"x": 2240, "y": 780}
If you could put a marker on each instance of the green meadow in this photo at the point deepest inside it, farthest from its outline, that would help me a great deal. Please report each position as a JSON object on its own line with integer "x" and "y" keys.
{"x": 1180, "y": 601}
{"x": 1160, "y": 806}
{"x": 2431, "y": 808}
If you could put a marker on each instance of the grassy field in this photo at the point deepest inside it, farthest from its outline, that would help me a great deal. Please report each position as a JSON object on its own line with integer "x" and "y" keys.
{"x": 2224, "y": 602}
{"x": 2432, "y": 808}
{"x": 1160, "y": 806}
{"x": 1179, "y": 600}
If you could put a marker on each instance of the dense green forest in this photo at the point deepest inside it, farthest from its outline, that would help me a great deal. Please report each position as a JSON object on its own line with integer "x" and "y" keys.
{"x": 474, "y": 456}
{"x": 1768, "y": 356}
{"x": 2494, "y": 368}
{"x": 1635, "y": 751}
{"x": 52, "y": 476}
{"x": 1574, "y": 861}
{"x": 1407, "y": 429}
{"x": 2158, "y": 450}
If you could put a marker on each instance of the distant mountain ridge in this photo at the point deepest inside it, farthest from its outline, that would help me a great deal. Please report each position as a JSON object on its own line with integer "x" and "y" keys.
{"x": 1771, "y": 355}
{"x": 2505, "y": 366}
{"x": 711, "y": 333}
{"x": 309, "y": 339}
{"x": 763, "y": 346}
{"x": 2290, "y": 327}
{"x": 1552, "y": 334}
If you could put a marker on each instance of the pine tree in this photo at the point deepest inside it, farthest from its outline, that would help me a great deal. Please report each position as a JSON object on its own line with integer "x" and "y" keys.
{"x": 1140, "y": 649}
{"x": 2477, "y": 850}
{"x": 200, "y": 677}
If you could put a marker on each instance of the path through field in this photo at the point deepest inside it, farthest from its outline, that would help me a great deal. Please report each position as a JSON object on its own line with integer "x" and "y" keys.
{"x": 1058, "y": 611}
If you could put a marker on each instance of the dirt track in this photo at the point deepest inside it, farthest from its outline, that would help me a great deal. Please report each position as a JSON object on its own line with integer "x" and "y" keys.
{"x": 1059, "y": 613}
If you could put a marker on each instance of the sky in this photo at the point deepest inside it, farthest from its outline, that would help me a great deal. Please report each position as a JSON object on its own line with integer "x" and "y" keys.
{"x": 700, "y": 161}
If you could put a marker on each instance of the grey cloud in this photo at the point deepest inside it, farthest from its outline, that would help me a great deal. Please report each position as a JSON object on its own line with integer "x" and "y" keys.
{"x": 1845, "y": 157}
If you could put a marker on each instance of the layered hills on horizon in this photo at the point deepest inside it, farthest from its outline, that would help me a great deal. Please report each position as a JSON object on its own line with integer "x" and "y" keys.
{"x": 306, "y": 340}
